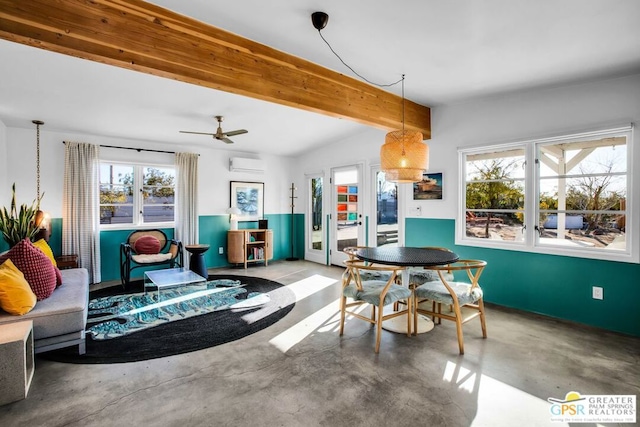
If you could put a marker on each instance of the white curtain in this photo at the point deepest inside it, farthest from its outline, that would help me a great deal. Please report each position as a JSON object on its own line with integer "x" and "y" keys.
{"x": 187, "y": 198}
{"x": 80, "y": 206}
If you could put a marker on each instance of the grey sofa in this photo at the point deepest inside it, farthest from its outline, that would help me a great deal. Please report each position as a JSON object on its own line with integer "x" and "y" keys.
{"x": 60, "y": 320}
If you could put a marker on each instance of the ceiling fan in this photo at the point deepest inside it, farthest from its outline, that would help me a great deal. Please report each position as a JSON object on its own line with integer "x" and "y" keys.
{"x": 220, "y": 135}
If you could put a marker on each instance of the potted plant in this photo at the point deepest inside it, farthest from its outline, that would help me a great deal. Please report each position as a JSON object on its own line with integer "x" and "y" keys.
{"x": 17, "y": 225}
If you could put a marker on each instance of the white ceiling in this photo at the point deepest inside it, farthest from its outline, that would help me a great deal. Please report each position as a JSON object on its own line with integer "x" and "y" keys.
{"x": 450, "y": 51}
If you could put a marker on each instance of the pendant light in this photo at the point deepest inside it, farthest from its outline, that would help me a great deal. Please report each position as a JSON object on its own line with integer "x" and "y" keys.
{"x": 403, "y": 156}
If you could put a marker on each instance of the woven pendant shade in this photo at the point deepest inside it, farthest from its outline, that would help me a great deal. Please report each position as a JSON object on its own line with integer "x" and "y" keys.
{"x": 403, "y": 156}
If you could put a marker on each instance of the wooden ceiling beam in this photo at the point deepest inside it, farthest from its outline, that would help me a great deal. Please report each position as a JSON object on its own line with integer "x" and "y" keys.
{"x": 140, "y": 36}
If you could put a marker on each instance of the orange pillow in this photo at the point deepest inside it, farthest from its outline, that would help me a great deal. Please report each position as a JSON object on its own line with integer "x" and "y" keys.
{"x": 46, "y": 249}
{"x": 16, "y": 296}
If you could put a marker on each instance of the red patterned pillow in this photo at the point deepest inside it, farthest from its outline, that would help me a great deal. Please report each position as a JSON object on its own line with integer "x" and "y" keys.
{"x": 58, "y": 276}
{"x": 36, "y": 267}
{"x": 147, "y": 245}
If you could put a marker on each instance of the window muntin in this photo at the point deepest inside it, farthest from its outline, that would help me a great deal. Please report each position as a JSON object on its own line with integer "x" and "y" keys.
{"x": 136, "y": 194}
{"x": 577, "y": 200}
{"x": 495, "y": 194}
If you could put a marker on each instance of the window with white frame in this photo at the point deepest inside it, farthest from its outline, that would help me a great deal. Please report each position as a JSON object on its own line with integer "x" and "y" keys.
{"x": 135, "y": 195}
{"x": 564, "y": 195}
{"x": 495, "y": 194}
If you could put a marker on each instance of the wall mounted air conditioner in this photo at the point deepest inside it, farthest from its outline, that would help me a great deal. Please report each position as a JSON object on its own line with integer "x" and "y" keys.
{"x": 240, "y": 164}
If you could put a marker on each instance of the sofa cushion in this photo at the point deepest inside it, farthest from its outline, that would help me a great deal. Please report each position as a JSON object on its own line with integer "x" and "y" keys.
{"x": 65, "y": 311}
{"x": 146, "y": 245}
{"x": 150, "y": 259}
{"x": 36, "y": 267}
{"x": 16, "y": 297}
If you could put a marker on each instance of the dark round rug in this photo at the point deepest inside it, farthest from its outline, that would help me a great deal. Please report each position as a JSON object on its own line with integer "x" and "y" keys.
{"x": 182, "y": 336}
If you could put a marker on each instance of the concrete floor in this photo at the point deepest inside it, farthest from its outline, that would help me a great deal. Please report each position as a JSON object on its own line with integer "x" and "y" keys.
{"x": 299, "y": 372}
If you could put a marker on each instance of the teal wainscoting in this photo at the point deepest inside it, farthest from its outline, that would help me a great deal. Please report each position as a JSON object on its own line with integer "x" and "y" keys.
{"x": 55, "y": 240}
{"x": 556, "y": 286}
{"x": 213, "y": 231}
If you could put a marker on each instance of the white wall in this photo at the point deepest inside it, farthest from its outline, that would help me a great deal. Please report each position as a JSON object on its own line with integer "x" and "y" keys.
{"x": 531, "y": 115}
{"x": 213, "y": 170}
{"x": 363, "y": 148}
{"x": 5, "y": 197}
{"x": 493, "y": 120}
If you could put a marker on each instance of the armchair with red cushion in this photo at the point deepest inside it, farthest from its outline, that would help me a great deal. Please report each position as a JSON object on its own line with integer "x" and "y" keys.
{"x": 145, "y": 248}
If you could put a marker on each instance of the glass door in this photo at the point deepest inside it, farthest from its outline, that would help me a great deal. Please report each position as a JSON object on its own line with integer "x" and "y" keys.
{"x": 347, "y": 218}
{"x": 385, "y": 226}
{"x": 316, "y": 249}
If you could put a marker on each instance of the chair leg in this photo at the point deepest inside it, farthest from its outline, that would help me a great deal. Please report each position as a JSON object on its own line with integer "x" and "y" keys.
{"x": 415, "y": 317}
{"x": 343, "y": 308}
{"x": 127, "y": 275}
{"x": 410, "y": 307}
{"x": 483, "y": 322}
{"x": 378, "y": 331}
{"x": 433, "y": 310}
{"x": 456, "y": 308}
{"x": 373, "y": 313}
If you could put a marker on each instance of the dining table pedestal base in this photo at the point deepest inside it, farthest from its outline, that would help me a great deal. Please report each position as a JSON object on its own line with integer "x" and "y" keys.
{"x": 399, "y": 324}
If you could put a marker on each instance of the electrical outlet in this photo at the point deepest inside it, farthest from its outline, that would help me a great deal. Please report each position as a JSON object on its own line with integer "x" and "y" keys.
{"x": 220, "y": 250}
{"x": 598, "y": 292}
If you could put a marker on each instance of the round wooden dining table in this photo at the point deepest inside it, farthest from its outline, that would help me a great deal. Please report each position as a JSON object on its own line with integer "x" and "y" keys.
{"x": 407, "y": 257}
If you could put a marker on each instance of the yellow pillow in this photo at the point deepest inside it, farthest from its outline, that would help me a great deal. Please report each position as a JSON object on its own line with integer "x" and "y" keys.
{"x": 46, "y": 249}
{"x": 16, "y": 296}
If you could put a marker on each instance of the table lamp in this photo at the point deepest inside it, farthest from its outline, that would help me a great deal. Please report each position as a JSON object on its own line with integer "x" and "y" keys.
{"x": 233, "y": 217}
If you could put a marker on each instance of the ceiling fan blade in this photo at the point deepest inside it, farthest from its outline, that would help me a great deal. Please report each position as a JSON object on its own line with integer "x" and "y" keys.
{"x": 197, "y": 133}
{"x": 236, "y": 132}
{"x": 225, "y": 140}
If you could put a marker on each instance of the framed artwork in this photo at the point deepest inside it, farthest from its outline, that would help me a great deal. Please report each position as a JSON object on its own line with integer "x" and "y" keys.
{"x": 430, "y": 188}
{"x": 249, "y": 198}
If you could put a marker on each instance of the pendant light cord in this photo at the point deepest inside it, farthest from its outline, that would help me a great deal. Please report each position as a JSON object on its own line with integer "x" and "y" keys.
{"x": 402, "y": 80}
{"x": 38, "y": 161}
{"x": 354, "y": 71}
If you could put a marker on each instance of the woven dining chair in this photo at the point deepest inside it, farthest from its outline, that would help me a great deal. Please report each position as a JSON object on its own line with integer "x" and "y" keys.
{"x": 375, "y": 292}
{"x": 454, "y": 293}
{"x": 372, "y": 274}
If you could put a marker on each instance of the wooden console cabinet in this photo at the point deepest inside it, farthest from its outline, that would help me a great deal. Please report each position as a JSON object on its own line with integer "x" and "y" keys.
{"x": 249, "y": 245}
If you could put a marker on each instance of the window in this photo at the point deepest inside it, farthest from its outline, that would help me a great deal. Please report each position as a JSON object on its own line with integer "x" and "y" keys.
{"x": 565, "y": 195}
{"x": 136, "y": 194}
{"x": 495, "y": 194}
